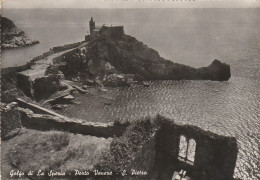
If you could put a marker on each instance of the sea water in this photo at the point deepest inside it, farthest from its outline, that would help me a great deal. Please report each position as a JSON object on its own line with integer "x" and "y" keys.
{"x": 193, "y": 37}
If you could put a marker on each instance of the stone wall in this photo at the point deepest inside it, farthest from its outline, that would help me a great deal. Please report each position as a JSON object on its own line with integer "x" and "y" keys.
{"x": 10, "y": 120}
{"x": 46, "y": 122}
{"x": 66, "y": 47}
{"x": 36, "y": 108}
{"x": 45, "y": 86}
{"x": 65, "y": 56}
{"x": 215, "y": 155}
{"x": 38, "y": 88}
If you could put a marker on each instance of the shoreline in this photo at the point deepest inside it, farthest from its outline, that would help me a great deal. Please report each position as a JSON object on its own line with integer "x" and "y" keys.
{"x": 18, "y": 47}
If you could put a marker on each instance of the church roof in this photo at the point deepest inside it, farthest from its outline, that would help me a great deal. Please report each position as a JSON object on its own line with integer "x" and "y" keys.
{"x": 112, "y": 25}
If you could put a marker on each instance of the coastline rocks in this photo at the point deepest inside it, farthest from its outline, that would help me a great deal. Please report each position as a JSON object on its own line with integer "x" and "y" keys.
{"x": 215, "y": 71}
{"x": 115, "y": 80}
{"x": 129, "y": 56}
{"x": 12, "y": 36}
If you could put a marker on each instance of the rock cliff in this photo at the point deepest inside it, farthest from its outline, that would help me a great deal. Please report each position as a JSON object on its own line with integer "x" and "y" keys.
{"x": 126, "y": 55}
{"x": 12, "y": 36}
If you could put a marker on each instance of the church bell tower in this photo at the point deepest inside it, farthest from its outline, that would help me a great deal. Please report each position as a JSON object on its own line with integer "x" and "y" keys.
{"x": 91, "y": 26}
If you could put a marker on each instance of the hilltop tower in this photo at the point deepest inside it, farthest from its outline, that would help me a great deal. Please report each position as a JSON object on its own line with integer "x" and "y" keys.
{"x": 91, "y": 26}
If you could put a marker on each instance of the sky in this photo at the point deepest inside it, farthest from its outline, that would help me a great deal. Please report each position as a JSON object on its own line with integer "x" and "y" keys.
{"x": 130, "y": 3}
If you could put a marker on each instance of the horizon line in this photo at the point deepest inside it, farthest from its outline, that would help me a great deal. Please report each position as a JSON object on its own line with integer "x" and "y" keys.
{"x": 133, "y": 8}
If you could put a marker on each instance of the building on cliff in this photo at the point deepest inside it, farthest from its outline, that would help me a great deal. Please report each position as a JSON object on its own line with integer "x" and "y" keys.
{"x": 108, "y": 30}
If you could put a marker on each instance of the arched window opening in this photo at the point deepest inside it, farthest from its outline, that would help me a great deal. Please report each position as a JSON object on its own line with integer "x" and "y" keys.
{"x": 191, "y": 150}
{"x": 183, "y": 147}
{"x": 187, "y": 150}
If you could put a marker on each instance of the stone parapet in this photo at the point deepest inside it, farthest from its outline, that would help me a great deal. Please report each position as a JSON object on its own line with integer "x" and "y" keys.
{"x": 49, "y": 122}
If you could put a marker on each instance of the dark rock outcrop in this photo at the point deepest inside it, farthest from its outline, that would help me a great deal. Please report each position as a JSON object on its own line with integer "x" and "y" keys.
{"x": 12, "y": 36}
{"x": 107, "y": 55}
{"x": 215, "y": 71}
{"x": 116, "y": 80}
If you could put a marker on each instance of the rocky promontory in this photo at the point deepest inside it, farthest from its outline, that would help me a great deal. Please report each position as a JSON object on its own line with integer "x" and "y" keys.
{"x": 125, "y": 55}
{"x": 12, "y": 36}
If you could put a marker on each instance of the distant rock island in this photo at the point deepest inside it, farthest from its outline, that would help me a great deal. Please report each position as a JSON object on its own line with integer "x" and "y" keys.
{"x": 12, "y": 36}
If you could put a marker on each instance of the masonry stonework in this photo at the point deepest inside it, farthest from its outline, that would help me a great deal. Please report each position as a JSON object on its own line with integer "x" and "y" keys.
{"x": 215, "y": 155}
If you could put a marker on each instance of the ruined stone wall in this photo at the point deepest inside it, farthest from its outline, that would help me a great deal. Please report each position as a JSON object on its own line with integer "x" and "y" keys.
{"x": 36, "y": 108}
{"x": 48, "y": 122}
{"x": 44, "y": 86}
{"x": 10, "y": 120}
{"x": 215, "y": 155}
{"x": 38, "y": 88}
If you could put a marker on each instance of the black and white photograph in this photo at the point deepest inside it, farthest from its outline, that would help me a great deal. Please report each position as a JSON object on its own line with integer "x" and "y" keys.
{"x": 130, "y": 90}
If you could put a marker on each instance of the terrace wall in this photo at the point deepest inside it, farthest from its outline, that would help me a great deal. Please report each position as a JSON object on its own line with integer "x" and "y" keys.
{"x": 46, "y": 122}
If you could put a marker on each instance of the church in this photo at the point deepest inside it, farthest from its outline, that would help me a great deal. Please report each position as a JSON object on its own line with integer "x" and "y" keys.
{"x": 114, "y": 31}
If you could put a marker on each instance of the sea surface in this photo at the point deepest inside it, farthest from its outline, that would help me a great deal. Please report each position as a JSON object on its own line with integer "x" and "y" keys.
{"x": 193, "y": 37}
